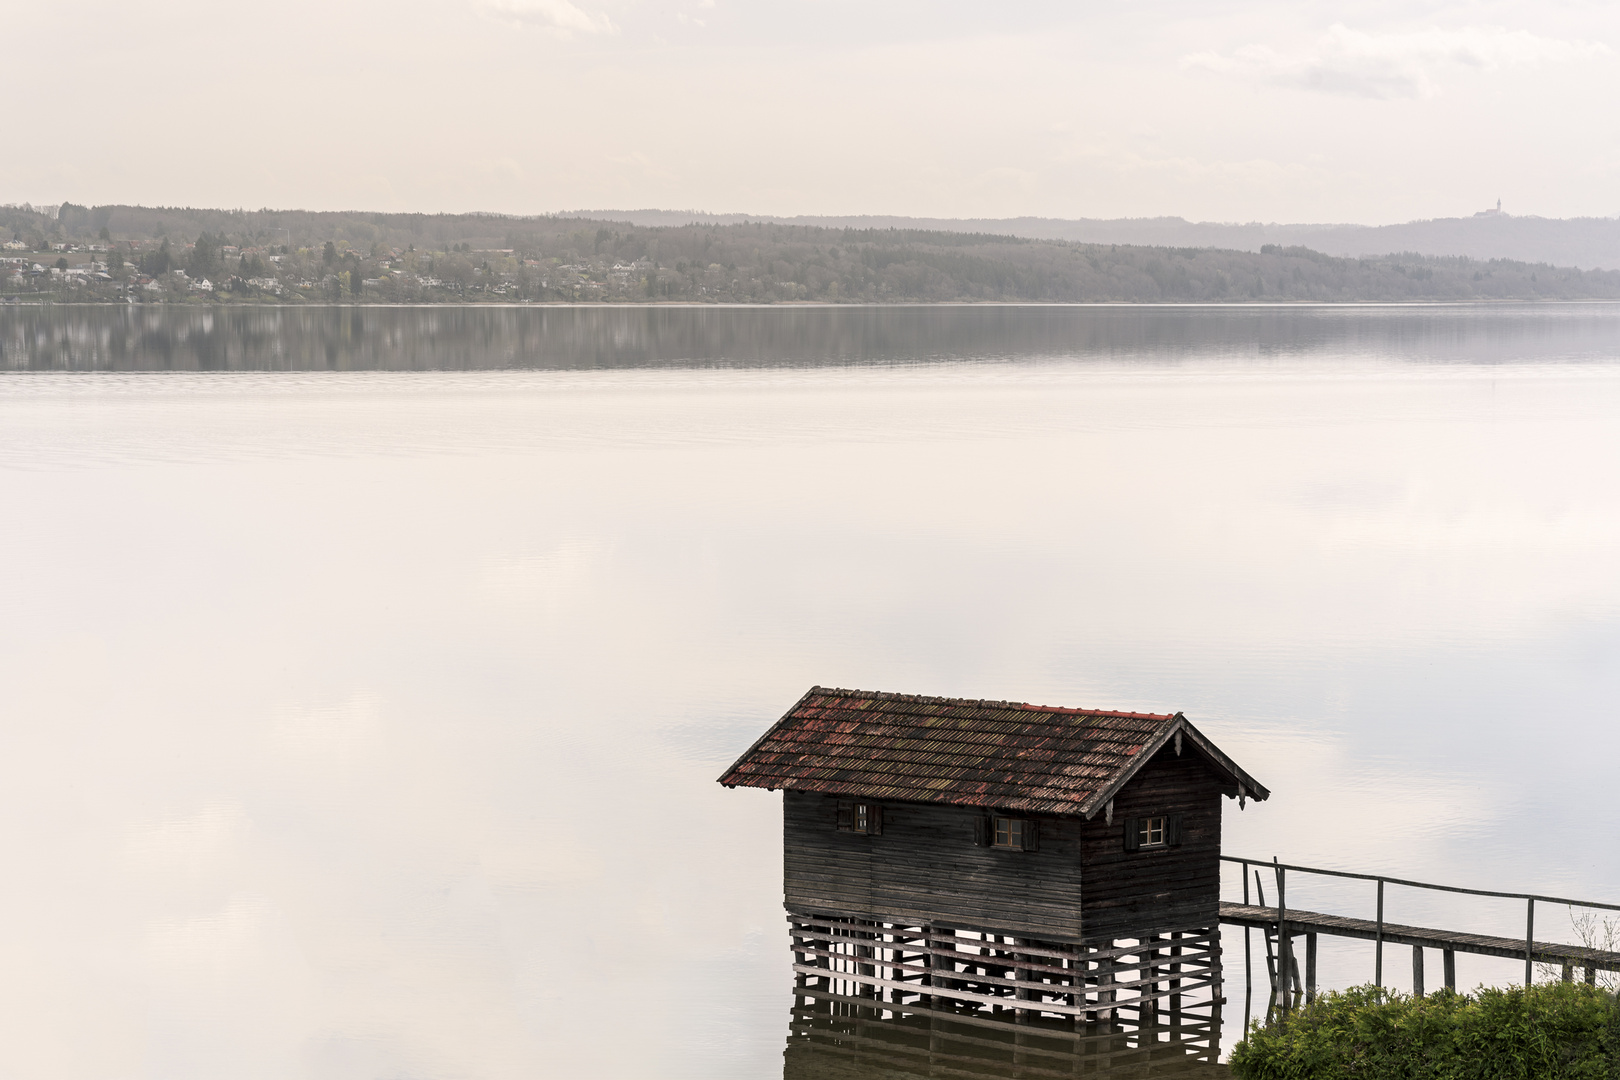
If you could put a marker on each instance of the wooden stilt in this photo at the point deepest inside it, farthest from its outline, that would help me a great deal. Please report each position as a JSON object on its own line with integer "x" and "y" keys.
{"x": 1175, "y": 980}
{"x": 929, "y": 963}
{"x": 1310, "y": 966}
{"x": 1297, "y": 988}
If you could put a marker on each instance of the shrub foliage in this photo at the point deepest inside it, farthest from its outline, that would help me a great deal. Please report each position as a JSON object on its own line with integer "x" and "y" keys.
{"x": 1552, "y": 1031}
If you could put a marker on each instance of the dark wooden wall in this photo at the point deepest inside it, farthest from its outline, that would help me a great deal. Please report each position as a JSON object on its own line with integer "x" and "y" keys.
{"x": 926, "y": 869}
{"x": 1082, "y": 885}
{"x": 1127, "y": 892}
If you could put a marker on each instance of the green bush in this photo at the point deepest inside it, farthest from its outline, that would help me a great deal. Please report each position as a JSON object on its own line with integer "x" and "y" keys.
{"x": 1554, "y": 1031}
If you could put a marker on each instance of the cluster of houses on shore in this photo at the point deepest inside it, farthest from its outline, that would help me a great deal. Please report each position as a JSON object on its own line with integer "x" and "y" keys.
{"x": 21, "y": 271}
{"x": 119, "y": 270}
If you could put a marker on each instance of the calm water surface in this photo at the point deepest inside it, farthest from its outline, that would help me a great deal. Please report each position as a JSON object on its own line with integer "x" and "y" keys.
{"x": 364, "y": 722}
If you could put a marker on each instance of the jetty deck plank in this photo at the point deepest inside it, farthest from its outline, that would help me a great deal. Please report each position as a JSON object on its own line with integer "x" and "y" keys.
{"x": 1398, "y": 934}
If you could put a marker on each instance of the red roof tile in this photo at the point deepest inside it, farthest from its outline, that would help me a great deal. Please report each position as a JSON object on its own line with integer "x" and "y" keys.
{"x": 1004, "y": 754}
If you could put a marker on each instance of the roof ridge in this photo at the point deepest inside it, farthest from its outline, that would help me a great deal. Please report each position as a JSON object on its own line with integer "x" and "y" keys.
{"x": 988, "y": 703}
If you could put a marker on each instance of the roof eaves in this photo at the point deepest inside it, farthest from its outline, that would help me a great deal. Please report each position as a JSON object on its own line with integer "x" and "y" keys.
{"x": 1247, "y": 784}
{"x": 746, "y": 754}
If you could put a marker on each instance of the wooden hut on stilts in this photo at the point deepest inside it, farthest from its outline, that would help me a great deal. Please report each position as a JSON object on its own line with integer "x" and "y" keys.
{"x": 1020, "y": 859}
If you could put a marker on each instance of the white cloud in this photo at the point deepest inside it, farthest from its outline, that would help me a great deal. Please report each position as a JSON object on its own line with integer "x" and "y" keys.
{"x": 1403, "y": 65}
{"x": 558, "y": 16}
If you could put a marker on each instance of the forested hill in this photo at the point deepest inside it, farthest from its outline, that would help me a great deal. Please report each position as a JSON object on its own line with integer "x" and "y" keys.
{"x": 1592, "y": 243}
{"x": 202, "y": 256}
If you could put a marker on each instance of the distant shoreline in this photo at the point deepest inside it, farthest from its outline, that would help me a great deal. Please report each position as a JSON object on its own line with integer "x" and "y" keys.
{"x": 208, "y": 257}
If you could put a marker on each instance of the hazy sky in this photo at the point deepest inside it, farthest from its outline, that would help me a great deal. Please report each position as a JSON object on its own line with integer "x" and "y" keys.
{"x": 1371, "y": 112}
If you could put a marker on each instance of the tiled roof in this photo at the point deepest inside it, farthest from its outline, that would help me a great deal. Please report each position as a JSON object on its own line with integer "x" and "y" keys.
{"x": 1003, "y": 754}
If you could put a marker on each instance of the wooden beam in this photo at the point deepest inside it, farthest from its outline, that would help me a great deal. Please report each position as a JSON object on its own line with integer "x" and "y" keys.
{"x": 1366, "y": 929}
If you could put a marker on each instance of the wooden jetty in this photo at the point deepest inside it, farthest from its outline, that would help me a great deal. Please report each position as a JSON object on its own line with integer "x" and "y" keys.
{"x": 1282, "y": 925}
{"x": 998, "y": 856}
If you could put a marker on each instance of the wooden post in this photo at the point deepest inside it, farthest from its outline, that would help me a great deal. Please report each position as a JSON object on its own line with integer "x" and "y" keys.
{"x": 1021, "y": 973}
{"x": 1271, "y": 970}
{"x": 1271, "y": 957}
{"x": 895, "y": 950}
{"x": 927, "y": 960}
{"x": 1110, "y": 996}
{"x": 1147, "y": 1011}
{"x": 897, "y": 957}
{"x": 1310, "y": 966}
{"x": 1448, "y": 960}
{"x": 1569, "y": 971}
{"x": 1085, "y": 981}
{"x": 1020, "y": 1016}
{"x": 865, "y": 952}
{"x": 1378, "y": 948}
{"x": 1076, "y": 964}
{"x": 1285, "y": 941}
{"x": 1175, "y": 981}
{"x": 1296, "y": 989}
{"x": 1591, "y": 973}
{"x": 1417, "y": 971}
{"x": 843, "y": 948}
{"x": 822, "y": 939}
{"x": 1248, "y": 959}
{"x": 1529, "y": 940}
{"x": 999, "y": 970}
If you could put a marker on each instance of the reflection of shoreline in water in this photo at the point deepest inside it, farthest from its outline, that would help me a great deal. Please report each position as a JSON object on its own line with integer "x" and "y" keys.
{"x": 478, "y": 338}
{"x": 836, "y": 1037}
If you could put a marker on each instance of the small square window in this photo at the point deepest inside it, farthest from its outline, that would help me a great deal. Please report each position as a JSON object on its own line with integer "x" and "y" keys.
{"x": 1009, "y": 833}
{"x": 1150, "y": 832}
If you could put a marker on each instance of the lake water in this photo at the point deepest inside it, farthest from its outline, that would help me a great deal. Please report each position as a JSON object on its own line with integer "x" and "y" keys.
{"x": 365, "y": 674}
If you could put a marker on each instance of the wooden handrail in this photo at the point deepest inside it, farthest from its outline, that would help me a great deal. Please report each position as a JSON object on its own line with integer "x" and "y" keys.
{"x": 1383, "y": 879}
{"x": 1423, "y": 884}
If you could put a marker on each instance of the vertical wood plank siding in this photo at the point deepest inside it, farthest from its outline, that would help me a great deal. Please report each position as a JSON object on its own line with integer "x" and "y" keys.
{"x": 926, "y": 869}
{"x": 1081, "y": 886}
{"x": 1163, "y": 888}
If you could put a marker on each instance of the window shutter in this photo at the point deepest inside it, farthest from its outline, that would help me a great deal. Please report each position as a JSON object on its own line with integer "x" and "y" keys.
{"x": 1131, "y": 829}
{"x": 874, "y": 820}
{"x": 1032, "y": 835}
{"x": 1172, "y": 830}
{"x": 846, "y": 815}
{"x": 981, "y": 831}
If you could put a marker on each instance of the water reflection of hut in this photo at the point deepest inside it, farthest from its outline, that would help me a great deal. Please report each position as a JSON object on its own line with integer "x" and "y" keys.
{"x": 1007, "y": 858}
{"x": 831, "y": 1039}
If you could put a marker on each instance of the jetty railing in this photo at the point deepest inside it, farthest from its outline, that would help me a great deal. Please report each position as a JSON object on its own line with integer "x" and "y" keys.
{"x": 1446, "y": 940}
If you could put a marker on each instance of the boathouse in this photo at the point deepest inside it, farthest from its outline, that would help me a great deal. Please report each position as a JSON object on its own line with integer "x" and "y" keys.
{"x": 1000, "y": 855}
